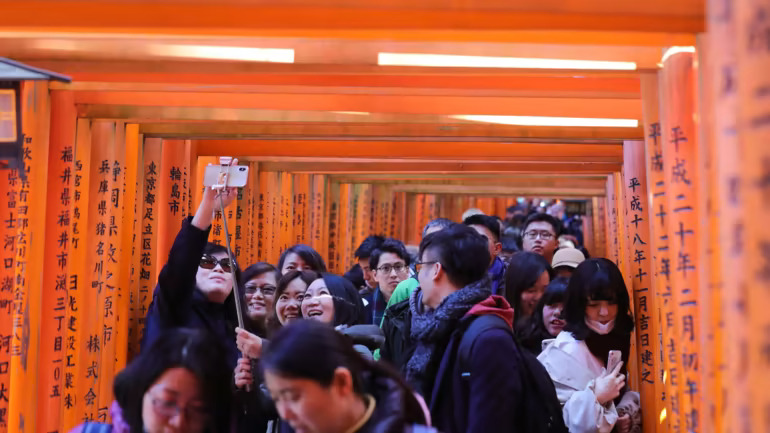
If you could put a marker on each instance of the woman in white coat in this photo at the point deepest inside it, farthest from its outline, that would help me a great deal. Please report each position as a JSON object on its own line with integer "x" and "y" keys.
{"x": 597, "y": 312}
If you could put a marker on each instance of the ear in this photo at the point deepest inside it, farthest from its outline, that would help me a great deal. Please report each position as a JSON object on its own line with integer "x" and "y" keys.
{"x": 438, "y": 271}
{"x": 498, "y": 248}
{"x": 342, "y": 382}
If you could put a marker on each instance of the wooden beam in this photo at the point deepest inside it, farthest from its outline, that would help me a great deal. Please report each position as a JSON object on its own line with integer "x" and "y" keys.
{"x": 409, "y": 149}
{"x": 220, "y": 128}
{"x": 469, "y": 85}
{"x": 407, "y": 104}
{"x": 439, "y": 167}
{"x": 230, "y": 19}
{"x": 499, "y": 190}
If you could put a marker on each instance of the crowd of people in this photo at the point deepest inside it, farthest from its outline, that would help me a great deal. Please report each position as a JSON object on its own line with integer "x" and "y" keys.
{"x": 493, "y": 326}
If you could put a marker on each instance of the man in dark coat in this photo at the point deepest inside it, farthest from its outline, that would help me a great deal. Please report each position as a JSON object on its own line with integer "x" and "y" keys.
{"x": 483, "y": 392}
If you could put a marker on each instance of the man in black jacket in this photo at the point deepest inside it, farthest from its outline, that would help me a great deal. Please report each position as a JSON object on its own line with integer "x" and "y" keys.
{"x": 481, "y": 393}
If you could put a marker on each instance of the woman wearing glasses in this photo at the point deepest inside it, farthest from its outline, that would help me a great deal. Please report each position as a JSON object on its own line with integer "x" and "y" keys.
{"x": 195, "y": 286}
{"x": 178, "y": 384}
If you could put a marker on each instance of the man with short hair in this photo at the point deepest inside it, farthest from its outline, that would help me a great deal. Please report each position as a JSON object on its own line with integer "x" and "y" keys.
{"x": 475, "y": 391}
{"x": 489, "y": 227}
{"x": 362, "y": 254}
{"x": 541, "y": 235}
{"x": 389, "y": 263}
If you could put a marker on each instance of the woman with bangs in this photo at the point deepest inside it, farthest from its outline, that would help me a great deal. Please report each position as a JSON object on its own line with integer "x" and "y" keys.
{"x": 546, "y": 323}
{"x": 598, "y": 320}
{"x": 334, "y": 300}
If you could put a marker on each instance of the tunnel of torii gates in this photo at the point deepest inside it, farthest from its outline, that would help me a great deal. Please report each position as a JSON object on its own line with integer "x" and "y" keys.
{"x": 342, "y": 144}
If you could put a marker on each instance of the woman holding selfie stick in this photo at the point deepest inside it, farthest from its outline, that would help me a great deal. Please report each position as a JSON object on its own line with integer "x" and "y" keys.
{"x": 195, "y": 286}
{"x": 599, "y": 325}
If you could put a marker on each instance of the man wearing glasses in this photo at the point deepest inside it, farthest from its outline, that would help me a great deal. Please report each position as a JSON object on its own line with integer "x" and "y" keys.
{"x": 390, "y": 266}
{"x": 541, "y": 235}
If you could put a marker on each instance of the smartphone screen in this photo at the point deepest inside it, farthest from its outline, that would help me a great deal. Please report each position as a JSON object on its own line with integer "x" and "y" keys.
{"x": 613, "y": 359}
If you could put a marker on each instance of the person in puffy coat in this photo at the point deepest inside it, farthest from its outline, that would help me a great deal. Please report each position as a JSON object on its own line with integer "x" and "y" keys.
{"x": 597, "y": 312}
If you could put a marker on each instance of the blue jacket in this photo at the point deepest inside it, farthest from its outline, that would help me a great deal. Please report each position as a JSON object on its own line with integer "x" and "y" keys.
{"x": 489, "y": 400}
{"x": 178, "y": 303}
{"x": 496, "y": 275}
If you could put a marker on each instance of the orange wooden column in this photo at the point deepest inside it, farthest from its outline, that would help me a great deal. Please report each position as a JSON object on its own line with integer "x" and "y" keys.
{"x": 114, "y": 139}
{"x": 97, "y": 241}
{"x": 346, "y": 228}
{"x": 25, "y": 342}
{"x": 680, "y": 150}
{"x": 709, "y": 273}
{"x": 300, "y": 222}
{"x": 243, "y": 225}
{"x": 655, "y": 213}
{"x": 9, "y": 193}
{"x": 170, "y": 207}
{"x": 398, "y": 222}
{"x": 753, "y": 55}
{"x": 319, "y": 225}
{"x": 132, "y": 239}
{"x": 268, "y": 184}
{"x": 150, "y": 260}
{"x": 732, "y": 400}
{"x": 55, "y": 259}
{"x": 647, "y": 317}
{"x": 603, "y": 226}
{"x": 362, "y": 205}
{"x": 285, "y": 211}
{"x": 78, "y": 283}
{"x": 613, "y": 244}
{"x": 333, "y": 226}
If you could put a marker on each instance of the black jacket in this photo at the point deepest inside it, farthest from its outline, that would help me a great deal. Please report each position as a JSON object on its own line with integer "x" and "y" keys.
{"x": 178, "y": 303}
{"x": 397, "y": 326}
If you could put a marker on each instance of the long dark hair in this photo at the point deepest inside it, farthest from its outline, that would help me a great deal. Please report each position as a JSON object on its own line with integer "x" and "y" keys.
{"x": 598, "y": 280}
{"x": 532, "y": 332}
{"x": 307, "y": 254}
{"x": 524, "y": 269}
{"x": 307, "y": 277}
{"x": 348, "y": 305}
{"x": 193, "y": 349}
{"x": 310, "y": 350}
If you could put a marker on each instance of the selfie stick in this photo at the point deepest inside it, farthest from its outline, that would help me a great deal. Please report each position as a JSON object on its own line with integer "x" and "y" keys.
{"x": 224, "y": 168}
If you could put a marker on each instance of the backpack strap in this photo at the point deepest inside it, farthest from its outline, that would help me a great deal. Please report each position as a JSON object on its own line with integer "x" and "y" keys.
{"x": 476, "y": 327}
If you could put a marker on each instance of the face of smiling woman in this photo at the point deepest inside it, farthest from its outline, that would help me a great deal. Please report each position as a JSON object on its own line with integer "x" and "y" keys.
{"x": 317, "y": 303}
{"x": 287, "y": 306}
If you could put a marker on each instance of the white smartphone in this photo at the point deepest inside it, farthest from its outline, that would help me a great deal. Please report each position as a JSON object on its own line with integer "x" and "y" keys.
{"x": 613, "y": 359}
{"x": 235, "y": 176}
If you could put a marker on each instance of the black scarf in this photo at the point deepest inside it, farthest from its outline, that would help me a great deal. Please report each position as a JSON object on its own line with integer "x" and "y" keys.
{"x": 431, "y": 329}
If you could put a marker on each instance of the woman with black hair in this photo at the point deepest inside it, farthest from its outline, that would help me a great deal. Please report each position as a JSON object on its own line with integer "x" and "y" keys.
{"x": 525, "y": 280}
{"x": 301, "y": 258}
{"x": 260, "y": 283}
{"x": 335, "y": 301}
{"x": 321, "y": 384}
{"x": 546, "y": 322}
{"x": 178, "y": 384}
{"x": 598, "y": 315}
{"x": 195, "y": 286}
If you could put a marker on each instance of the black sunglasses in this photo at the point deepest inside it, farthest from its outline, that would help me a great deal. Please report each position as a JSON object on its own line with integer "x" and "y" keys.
{"x": 209, "y": 262}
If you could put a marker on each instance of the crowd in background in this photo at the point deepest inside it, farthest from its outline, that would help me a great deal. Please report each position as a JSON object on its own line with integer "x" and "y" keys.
{"x": 489, "y": 325}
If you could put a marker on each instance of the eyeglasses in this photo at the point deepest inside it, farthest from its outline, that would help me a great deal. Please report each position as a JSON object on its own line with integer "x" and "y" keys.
{"x": 267, "y": 290}
{"x": 419, "y": 265}
{"x": 400, "y": 267}
{"x": 210, "y": 262}
{"x": 533, "y": 234}
{"x": 169, "y": 409}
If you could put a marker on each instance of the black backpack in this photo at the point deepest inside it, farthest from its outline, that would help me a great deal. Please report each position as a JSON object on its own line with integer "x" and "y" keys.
{"x": 542, "y": 408}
